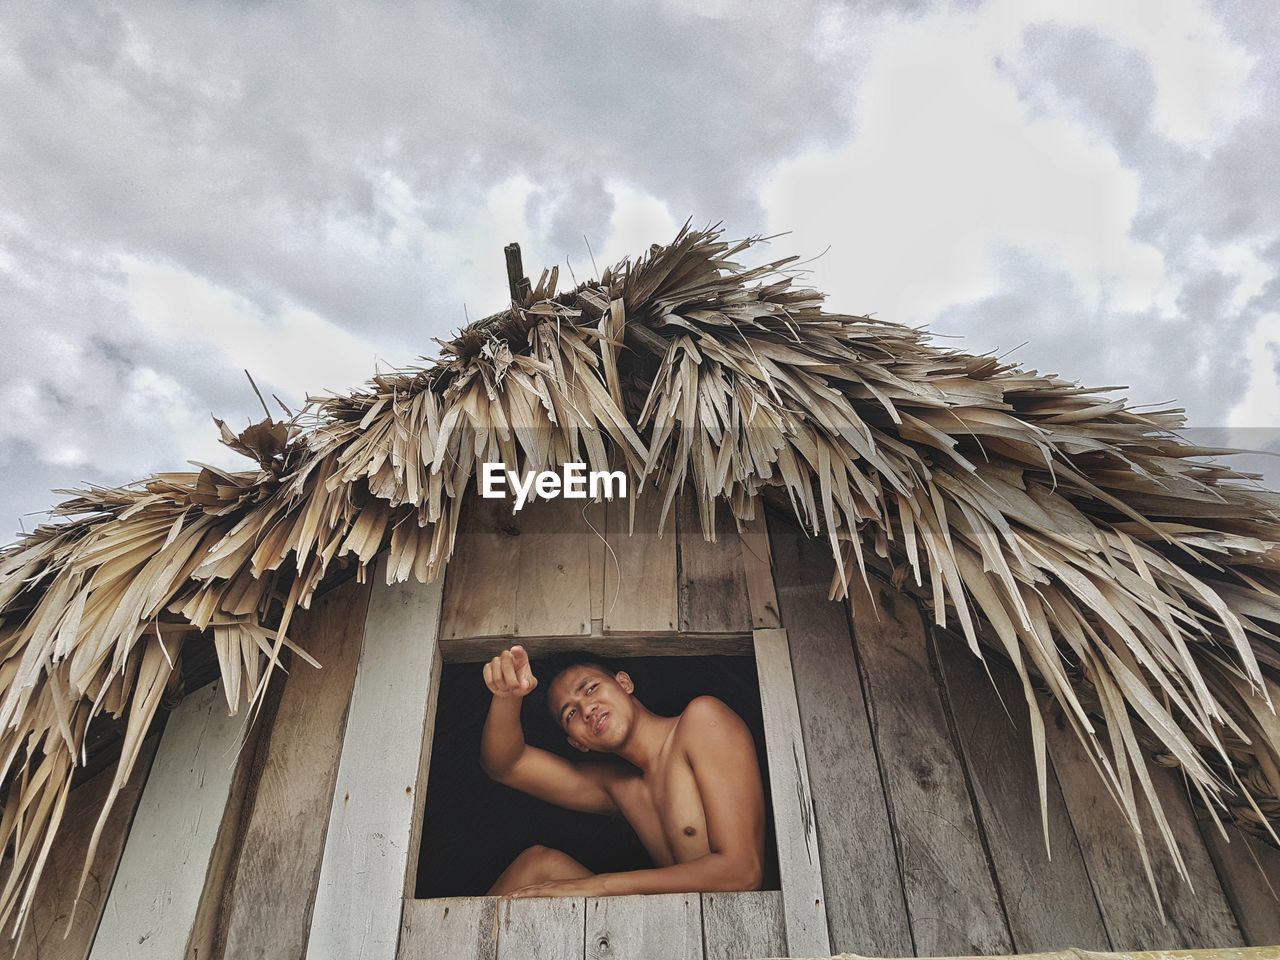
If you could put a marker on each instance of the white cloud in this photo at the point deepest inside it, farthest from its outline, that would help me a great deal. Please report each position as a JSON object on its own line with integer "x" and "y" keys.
{"x": 1260, "y": 406}
{"x": 638, "y": 219}
{"x": 293, "y": 351}
{"x": 948, "y": 167}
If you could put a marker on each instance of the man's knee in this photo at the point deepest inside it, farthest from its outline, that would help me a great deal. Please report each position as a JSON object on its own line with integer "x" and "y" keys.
{"x": 545, "y": 862}
{"x": 537, "y": 854}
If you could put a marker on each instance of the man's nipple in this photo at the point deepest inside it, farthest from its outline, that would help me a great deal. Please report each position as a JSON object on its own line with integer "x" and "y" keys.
{"x": 690, "y": 831}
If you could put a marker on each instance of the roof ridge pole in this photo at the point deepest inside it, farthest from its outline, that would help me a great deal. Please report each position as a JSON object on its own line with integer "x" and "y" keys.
{"x": 516, "y": 280}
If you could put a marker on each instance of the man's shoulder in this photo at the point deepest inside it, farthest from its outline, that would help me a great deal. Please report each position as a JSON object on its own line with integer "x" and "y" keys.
{"x": 707, "y": 716}
{"x": 707, "y": 709}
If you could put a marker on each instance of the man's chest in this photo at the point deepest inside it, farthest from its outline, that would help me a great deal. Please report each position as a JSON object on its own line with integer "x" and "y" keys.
{"x": 667, "y": 813}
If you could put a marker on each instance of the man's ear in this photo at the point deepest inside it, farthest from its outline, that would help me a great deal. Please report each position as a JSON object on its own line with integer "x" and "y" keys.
{"x": 578, "y": 745}
{"x": 625, "y": 681}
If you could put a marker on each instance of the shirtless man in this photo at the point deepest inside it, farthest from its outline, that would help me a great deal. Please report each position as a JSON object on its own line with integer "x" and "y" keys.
{"x": 688, "y": 785}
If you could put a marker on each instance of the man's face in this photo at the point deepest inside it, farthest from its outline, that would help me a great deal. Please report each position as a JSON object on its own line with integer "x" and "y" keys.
{"x": 593, "y": 708}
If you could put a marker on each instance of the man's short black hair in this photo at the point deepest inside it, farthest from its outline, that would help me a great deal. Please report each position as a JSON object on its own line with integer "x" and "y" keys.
{"x": 547, "y": 669}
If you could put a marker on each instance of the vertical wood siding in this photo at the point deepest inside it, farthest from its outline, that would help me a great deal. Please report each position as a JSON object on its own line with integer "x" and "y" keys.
{"x": 152, "y": 906}
{"x": 865, "y": 908}
{"x": 375, "y": 800}
{"x": 1049, "y": 900}
{"x": 1193, "y": 918}
{"x": 57, "y": 927}
{"x": 268, "y": 900}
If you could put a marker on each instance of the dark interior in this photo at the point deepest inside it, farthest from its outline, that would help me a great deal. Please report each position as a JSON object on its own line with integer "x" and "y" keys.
{"x": 473, "y": 827}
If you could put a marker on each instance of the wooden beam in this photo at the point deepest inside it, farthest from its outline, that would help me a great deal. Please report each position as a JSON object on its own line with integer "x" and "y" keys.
{"x": 152, "y": 906}
{"x": 799, "y": 863}
{"x": 1048, "y": 899}
{"x": 366, "y": 851}
{"x": 713, "y": 583}
{"x": 757, "y": 559}
{"x": 743, "y": 925}
{"x": 479, "y": 649}
{"x": 269, "y": 902}
{"x": 1193, "y": 918}
{"x": 866, "y": 911}
{"x": 456, "y": 928}
{"x": 667, "y": 925}
{"x": 952, "y": 900}
{"x": 541, "y": 929}
{"x": 640, "y": 571}
{"x": 517, "y": 282}
{"x": 1249, "y": 869}
{"x": 58, "y": 927}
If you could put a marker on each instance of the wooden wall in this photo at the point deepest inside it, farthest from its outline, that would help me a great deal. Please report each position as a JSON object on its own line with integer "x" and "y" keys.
{"x": 926, "y": 787}
{"x": 925, "y": 823}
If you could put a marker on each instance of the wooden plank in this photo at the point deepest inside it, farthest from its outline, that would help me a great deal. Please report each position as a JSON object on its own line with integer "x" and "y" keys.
{"x": 268, "y": 906}
{"x": 552, "y": 580}
{"x": 639, "y": 928}
{"x": 480, "y": 649}
{"x": 480, "y": 601}
{"x": 1194, "y": 919}
{"x": 596, "y": 558}
{"x": 152, "y": 906}
{"x": 713, "y": 582}
{"x": 799, "y": 862}
{"x": 457, "y": 928}
{"x": 866, "y": 912}
{"x": 366, "y": 850}
{"x": 208, "y": 933}
{"x": 1049, "y": 902}
{"x": 743, "y": 925}
{"x": 758, "y": 569}
{"x": 951, "y": 898}
{"x": 57, "y": 927}
{"x": 1249, "y": 869}
{"x": 640, "y": 568}
{"x": 541, "y": 929}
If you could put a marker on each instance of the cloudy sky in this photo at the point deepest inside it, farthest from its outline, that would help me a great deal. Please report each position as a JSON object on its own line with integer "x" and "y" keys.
{"x": 311, "y": 190}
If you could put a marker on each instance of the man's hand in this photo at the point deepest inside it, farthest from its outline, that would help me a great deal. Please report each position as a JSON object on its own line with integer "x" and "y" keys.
{"x": 509, "y": 674}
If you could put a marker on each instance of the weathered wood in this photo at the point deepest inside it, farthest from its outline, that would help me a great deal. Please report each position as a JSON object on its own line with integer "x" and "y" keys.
{"x": 457, "y": 928}
{"x": 866, "y": 912}
{"x": 541, "y": 929}
{"x": 480, "y": 601}
{"x": 713, "y": 583}
{"x": 152, "y": 906}
{"x": 758, "y": 569}
{"x": 639, "y": 568}
{"x": 639, "y": 928}
{"x": 596, "y": 559}
{"x": 1048, "y": 901}
{"x": 743, "y": 925}
{"x": 799, "y": 862}
{"x": 366, "y": 851}
{"x": 552, "y": 580}
{"x": 1249, "y": 870}
{"x": 57, "y": 927}
{"x": 268, "y": 909}
{"x": 1194, "y": 919}
{"x": 951, "y": 898}
{"x": 523, "y": 574}
{"x": 517, "y": 282}
{"x": 208, "y": 933}
{"x": 618, "y": 645}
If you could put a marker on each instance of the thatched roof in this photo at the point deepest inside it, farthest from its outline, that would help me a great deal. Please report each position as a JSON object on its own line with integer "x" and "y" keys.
{"x": 1102, "y": 555}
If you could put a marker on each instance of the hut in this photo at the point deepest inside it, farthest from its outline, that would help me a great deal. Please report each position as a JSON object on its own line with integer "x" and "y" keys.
{"x": 1009, "y": 648}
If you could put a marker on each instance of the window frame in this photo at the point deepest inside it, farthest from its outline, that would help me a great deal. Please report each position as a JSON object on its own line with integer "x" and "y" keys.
{"x": 799, "y": 866}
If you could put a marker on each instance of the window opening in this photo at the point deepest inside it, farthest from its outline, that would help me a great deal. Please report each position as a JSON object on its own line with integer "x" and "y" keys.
{"x": 473, "y": 827}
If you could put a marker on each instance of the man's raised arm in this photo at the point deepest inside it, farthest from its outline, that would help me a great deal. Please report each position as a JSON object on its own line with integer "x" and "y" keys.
{"x": 506, "y": 757}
